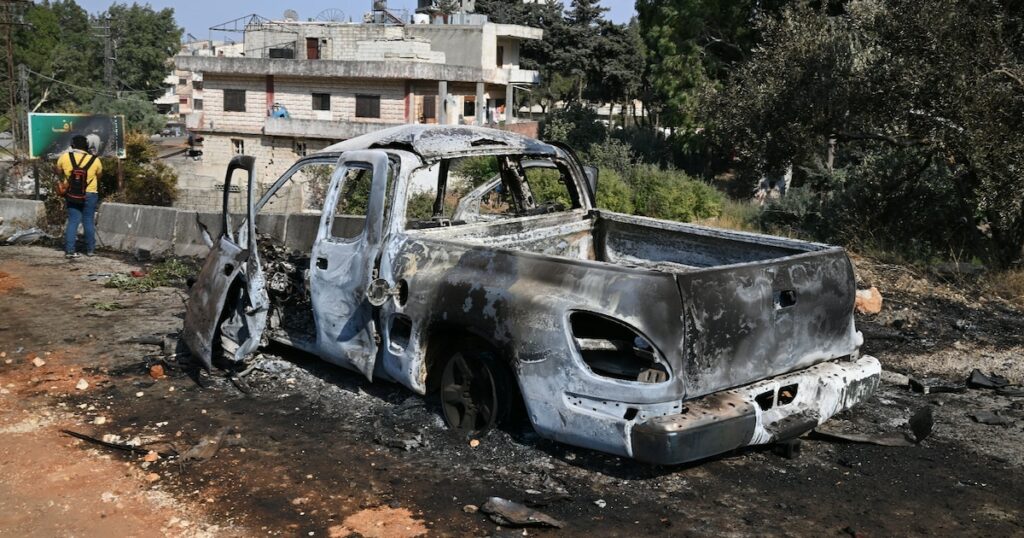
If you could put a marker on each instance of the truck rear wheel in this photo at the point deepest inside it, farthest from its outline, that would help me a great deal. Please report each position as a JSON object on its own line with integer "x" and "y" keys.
{"x": 475, "y": 391}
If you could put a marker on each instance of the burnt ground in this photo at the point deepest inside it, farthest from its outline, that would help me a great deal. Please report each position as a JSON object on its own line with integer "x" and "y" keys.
{"x": 311, "y": 448}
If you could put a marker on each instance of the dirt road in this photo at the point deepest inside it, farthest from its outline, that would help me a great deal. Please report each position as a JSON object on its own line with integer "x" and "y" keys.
{"x": 307, "y": 449}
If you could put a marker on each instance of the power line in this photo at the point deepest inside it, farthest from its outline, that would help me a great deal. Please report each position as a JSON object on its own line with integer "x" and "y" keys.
{"x": 92, "y": 90}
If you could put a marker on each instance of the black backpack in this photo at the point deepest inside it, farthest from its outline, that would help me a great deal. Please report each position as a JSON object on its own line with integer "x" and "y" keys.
{"x": 78, "y": 180}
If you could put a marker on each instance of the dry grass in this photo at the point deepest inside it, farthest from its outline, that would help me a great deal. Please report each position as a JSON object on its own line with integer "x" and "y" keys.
{"x": 735, "y": 215}
{"x": 1008, "y": 285}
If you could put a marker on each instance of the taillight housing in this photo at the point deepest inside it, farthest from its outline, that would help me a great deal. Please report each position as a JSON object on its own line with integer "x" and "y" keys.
{"x": 615, "y": 350}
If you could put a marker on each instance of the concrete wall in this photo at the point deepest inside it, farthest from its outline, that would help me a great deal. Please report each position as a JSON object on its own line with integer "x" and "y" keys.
{"x": 20, "y": 212}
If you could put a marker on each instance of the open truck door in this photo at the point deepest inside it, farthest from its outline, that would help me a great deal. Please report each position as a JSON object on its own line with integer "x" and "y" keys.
{"x": 344, "y": 260}
{"x": 227, "y": 308}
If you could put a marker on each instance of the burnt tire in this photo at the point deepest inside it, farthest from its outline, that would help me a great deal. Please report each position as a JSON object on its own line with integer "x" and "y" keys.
{"x": 476, "y": 391}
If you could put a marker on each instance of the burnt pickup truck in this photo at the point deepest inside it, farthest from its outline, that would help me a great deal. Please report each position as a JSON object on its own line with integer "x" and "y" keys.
{"x": 656, "y": 340}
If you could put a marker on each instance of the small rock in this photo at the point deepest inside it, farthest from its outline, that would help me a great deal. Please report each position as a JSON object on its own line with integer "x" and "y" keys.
{"x": 77, "y": 297}
{"x": 868, "y": 301}
{"x": 99, "y": 421}
{"x": 600, "y": 503}
{"x": 470, "y": 508}
{"x": 38, "y": 362}
{"x": 151, "y": 456}
{"x": 156, "y": 371}
{"x": 8, "y": 361}
{"x": 152, "y": 477}
{"x": 140, "y": 394}
{"x": 895, "y": 378}
{"x": 474, "y": 443}
{"x": 82, "y": 384}
{"x": 3, "y": 354}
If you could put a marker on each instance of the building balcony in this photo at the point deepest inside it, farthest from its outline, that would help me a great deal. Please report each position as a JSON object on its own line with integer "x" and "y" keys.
{"x": 322, "y": 129}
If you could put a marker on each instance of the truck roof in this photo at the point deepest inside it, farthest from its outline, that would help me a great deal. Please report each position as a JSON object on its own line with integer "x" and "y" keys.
{"x": 433, "y": 142}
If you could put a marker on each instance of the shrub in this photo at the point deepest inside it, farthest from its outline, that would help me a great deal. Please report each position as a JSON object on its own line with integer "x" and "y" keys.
{"x": 613, "y": 193}
{"x": 673, "y": 195}
{"x": 478, "y": 170}
{"x": 146, "y": 180}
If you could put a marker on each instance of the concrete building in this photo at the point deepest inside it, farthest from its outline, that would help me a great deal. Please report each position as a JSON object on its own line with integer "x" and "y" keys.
{"x": 338, "y": 80}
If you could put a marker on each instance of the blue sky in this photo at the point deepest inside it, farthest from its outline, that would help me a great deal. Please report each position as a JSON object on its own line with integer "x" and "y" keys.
{"x": 196, "y": 16}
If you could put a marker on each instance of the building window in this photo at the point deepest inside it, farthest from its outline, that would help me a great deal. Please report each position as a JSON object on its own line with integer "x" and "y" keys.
{"x": 429, "y": 108}
{"x": 312, "y": 48}
{"x": 234, "y": 100}
{"x": 300, "y": 148}
{"x": 197, "y": 85}
{"x": 238, "y": 145}
{"x": 321, "y": 101}
{"x": 197, "y": 104}
{"x": 182, "y": 81}
{"x": 183, "y": 100}
{"x": 469, "y": 108}
{"x": 500, "y": 56}
{"x": 367, "y": 106}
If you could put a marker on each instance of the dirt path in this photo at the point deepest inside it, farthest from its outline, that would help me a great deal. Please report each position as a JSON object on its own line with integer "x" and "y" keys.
{"x": 309, "y": 449}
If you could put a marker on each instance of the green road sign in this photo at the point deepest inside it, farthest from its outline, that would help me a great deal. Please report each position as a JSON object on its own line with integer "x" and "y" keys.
{"x": 50, "y": 134}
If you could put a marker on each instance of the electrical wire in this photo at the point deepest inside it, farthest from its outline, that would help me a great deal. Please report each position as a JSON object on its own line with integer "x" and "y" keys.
{"x": 93, "y": 90}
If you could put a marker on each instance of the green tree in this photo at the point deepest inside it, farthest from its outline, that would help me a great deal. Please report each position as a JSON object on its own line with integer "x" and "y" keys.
{"x": 145, "y": 41}
{"x": 693, "y": 44}
{"x": 906, "y": 116}
{"x": 59, "y": 46}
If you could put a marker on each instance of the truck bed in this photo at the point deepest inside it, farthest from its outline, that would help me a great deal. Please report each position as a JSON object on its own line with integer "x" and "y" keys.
{"x": 753, "y": 306}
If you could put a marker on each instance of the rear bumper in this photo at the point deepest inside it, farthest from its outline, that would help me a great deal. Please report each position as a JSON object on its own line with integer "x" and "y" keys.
{"x": 772, "y": 410}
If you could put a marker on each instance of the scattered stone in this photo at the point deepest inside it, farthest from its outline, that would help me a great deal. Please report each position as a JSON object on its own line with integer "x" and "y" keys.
{"x": 99, "y": 421}
{"x": 82, "y": 384}
{"x": 600, "y": 503}
{"x": 151, "y": 456}
{"x": 470, "y": 508}
{"x": 152, "y": 477}
{"x": 990, "y": 418}
{"x": 8, "y": 361}
{"x": 868, "y": 301}
{"x": 934, "y": 385}
{"x": 474, "y": 443}
{"x": 156, "y": 371}
{"x": 77, "y": 297}
{"x": 895, "y": 378}
{"x": 3, "y": 354}
{"x": 140, "y": 394}
{"x": 38, "y": 362}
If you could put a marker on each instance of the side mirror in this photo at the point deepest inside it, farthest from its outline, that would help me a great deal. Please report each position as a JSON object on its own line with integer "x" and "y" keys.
{"x": 591, "y": 172}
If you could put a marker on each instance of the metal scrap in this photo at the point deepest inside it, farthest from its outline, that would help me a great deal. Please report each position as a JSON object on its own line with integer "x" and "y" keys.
{"x": 508, "y": 513}
{"x": 979, "y": 380}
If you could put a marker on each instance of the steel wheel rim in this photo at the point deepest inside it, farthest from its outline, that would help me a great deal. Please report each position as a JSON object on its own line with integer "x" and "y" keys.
{"x": 469, "y": 394}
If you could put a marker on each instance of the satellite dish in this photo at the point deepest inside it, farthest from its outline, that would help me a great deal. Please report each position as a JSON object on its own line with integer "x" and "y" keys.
{"x": 331, "y": 15}
{"x": 291, "y": 15}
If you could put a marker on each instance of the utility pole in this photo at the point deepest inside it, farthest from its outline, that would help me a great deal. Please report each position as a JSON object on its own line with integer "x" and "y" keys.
{"x": 11, "y": 14}
{"x": 103, "y": 27}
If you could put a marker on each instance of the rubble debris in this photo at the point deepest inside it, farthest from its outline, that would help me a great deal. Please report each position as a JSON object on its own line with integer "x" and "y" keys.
{"x": 157, "y": 371}
{"x": 82, "y": 384}
{"x": 27, "y": 237}
{"x": 921, "y": 423}
{"x": 978, "y": 380}
{"x": 600, "y": 503}
{"x": 127, "y": 447}
{"x": 152, "y": 477}
{"x": 895, "y": 378}
{"x": 474, "y": 443}
{"x": 38, "y": 363}
{"x": 99, "y": 421}
{"x": 868, "y": 301}
{"x": 206, "y": 448}
{"x": 151, "y": 456}
{"x": 508, "y": 513}
{"x": 470, "y": 509}
{"x": 880, "y": 439}
{"x": 935, "y": 385}
{"x": 990, "y": 418}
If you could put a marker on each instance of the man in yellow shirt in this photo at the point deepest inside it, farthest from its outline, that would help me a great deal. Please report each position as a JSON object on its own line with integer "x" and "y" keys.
{"x": 82, "y": 179}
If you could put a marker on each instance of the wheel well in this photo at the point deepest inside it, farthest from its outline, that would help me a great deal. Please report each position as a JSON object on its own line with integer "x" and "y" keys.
{"x": 443, "y": 340}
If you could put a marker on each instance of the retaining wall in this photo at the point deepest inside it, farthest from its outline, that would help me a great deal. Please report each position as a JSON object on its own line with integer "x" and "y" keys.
{"x": 166, "y": 231}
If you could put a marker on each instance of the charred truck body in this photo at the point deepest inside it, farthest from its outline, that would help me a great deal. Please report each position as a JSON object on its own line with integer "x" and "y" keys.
{"x": 656, "y": 340}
